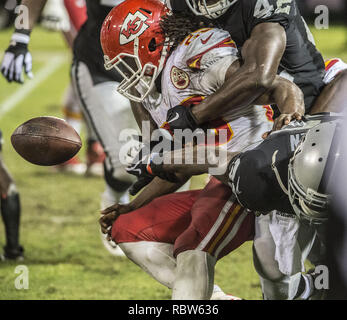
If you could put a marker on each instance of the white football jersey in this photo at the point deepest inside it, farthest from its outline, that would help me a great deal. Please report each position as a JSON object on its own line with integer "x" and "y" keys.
{"x": 195, "y": 70}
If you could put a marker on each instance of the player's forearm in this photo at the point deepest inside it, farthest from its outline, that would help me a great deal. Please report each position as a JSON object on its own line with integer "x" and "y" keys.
{"x": 195, "y": 161}
{"x": 34, "y": 10}
{"x": 192, "y": 161}
{"x": 240, "y": 90}
{"x": 141, "y": 115}
{"x": 155, "y": 189}
{"x": 286, "y": 95}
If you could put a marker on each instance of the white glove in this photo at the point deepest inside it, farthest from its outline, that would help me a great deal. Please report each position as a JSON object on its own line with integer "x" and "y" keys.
{"x": 16, "y": 58}
{"x": 55, "y": 17}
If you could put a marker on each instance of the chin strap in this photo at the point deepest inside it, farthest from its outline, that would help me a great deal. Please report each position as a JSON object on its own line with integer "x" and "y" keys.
{"x": 278, "y": 177}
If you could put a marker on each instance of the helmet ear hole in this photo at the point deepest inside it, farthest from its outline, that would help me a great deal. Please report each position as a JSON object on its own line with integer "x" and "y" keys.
{"x": 152, "y": 45}
{"x": 146, "y": 10}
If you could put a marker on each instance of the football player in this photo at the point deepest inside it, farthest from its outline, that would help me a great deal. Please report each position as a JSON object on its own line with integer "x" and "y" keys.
{"x": 286, "y": 283}
{"x": 10, "y": 212}
{"x": 198, "y": 227}
{"x": 278, "y": 175}
{"x": 67, "y": 17}
{"x": 274, "y": 39}
{"x": 106, "y": 111}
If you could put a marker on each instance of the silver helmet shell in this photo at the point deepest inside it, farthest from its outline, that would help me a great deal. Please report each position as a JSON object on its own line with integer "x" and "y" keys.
{"x": 307, "y": 171}
{"x": 210, "y": 11}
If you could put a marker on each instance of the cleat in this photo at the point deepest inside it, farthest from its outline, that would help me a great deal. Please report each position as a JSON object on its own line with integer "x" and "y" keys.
{"x": 74, "y": 165}
{"x": 224, "y": 296}
{"x": 13, "y": 254}
{"x": 111, "y": 246}
{"x": 219, "y": 294}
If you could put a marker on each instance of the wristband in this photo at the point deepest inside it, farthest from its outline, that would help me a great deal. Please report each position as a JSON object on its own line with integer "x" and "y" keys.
{"x": 20, "y": 38}
{"x": 152, "y": 165}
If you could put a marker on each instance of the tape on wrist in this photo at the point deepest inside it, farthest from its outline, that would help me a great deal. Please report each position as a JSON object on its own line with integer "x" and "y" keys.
{"x": 20, "y": 37}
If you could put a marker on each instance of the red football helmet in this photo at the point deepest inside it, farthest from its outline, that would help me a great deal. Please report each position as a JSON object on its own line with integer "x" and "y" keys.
{"x": 134, "y": 44}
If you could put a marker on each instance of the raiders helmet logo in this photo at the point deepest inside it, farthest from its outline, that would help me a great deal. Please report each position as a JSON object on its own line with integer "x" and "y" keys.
{"x": 179, "y": 78}
{"x": 133, "y": 26}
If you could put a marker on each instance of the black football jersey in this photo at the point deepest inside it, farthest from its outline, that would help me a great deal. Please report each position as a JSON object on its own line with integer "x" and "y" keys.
{"x": 301, "y": 62}
{"x": 87, "y": 46}
{"x": 251, "y": 176}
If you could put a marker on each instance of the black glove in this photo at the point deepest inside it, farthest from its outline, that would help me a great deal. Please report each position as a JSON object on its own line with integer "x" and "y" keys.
{"x": 181, "y": 117}
{"x": 146, "y": 169}
{"x": 155, "y": 167}
{"x": 143, "y": 166}
{"x": 17, "y": 57}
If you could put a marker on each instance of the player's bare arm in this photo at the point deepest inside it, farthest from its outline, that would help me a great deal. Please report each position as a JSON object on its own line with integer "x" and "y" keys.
{"x": 289, "y": 99}
{"x": 141, "y": 114}
{"x": 261, "y": 55}
{"x": 334, "y": 95}
{"x": 5, "y": 178}
{"x": 177, "y": 162}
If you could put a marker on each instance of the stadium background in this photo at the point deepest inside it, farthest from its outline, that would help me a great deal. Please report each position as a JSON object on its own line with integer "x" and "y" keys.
{"x": 59, "y": 228}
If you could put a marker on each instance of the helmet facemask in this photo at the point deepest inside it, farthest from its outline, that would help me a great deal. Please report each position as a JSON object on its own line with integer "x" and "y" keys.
{"x": 134, "y": 44}
{"x": 210, "y": 11}
{"x": 138, "y": 81}
{"x": 307, "y": 203}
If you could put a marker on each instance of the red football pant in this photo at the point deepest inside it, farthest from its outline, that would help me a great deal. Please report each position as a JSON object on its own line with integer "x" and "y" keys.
{"x": 209, "y": 220}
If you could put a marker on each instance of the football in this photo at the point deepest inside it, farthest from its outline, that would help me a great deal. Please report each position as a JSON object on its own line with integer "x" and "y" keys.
{"x": 46, "y": 141}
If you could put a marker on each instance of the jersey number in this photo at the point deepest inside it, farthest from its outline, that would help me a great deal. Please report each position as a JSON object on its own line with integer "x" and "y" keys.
{"x": 263, "y": 9}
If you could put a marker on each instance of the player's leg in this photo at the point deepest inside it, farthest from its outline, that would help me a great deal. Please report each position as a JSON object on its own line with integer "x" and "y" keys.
{"x": 10, "y": 212}
{"x": 219, "y": 225}
{"x": 334, "y": 95}
{"x": 107, "y": 113}
{"x": 73, "y": 116}
{"x": 281, "y": 245}
{"x": 147, "y": 235}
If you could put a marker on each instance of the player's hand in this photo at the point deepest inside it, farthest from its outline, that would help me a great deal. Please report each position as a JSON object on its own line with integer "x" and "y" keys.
{"x": 17, "y": 58}
{"x": 110, "y": 215}
{"x": 181, "y": 117}
{"x": 284, "y": 119}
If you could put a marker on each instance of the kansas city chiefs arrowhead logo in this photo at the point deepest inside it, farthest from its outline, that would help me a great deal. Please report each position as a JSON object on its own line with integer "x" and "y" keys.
{"x": 179, "y": 78}
{"x": 133, "y": 26}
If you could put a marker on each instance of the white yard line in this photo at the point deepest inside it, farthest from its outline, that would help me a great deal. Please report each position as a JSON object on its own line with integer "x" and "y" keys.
{"x": 19, "y": 95}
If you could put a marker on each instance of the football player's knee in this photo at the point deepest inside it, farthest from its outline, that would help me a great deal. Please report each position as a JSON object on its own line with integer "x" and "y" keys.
{"x": 121, "y": 230}
{"x": 264, "y": 261}
{"x": 188, "y": 240}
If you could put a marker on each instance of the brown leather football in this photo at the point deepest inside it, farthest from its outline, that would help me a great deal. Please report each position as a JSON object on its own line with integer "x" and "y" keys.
{"x": 46, "y": 141}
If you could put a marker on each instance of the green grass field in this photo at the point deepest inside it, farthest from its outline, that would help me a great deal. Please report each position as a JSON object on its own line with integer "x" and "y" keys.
{"x": 59, "y": 225}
